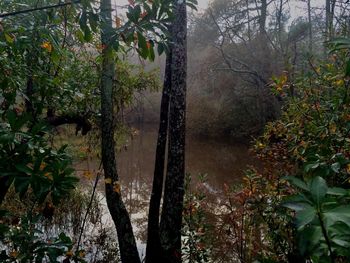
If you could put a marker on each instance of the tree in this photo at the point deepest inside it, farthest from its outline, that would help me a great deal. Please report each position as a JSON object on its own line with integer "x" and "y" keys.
{"x": 171, "y": 218}
{"x": 143, "y": 17}
{"x": 153, "y": 235}
{"x": 120, "y": 216}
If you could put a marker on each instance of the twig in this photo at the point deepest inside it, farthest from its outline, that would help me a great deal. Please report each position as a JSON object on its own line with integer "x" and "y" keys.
{"x": 38, "y": 9}
{"x": 89, "y": 206}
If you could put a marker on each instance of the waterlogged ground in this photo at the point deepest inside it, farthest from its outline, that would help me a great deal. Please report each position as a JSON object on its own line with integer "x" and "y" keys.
{"x": 222, "y": 161}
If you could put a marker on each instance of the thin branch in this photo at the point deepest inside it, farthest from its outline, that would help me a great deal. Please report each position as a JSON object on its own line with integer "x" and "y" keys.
{"x": 59, "y": 5}
{"x": 89, "y": 205}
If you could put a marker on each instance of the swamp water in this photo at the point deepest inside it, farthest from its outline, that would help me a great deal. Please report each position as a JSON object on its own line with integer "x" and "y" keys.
{"x": 221, "y": 161}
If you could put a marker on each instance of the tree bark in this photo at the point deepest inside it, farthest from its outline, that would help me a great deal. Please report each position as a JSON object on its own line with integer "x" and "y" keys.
{"x": 310, "y": 25}
{"x": 262, "y": 18}
{"x": 171, "y": 218}
{"x": 153, "y": 238}
{"x": 330, "y": 7}
{"x": 120, "y": 216}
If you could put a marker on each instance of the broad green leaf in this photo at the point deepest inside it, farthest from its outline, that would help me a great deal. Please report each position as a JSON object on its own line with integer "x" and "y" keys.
{"x": 318, "y": 189}
{"x": 24, "y": 168}
{"x": 297, "y": 182}
{"x": 338, "y": 214}
{"x": 337, "y": 191}
{"x": 305, "y": 217}
{"x": 21, "y": 184}
{"x": 311, "y": 166}
{"x": 309, "y": 239}
{"x": 295, "y": 206}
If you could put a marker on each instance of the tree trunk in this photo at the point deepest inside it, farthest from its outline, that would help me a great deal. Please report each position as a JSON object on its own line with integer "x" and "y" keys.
{"x": 262, "y": 18}
{"x": 171, "y": 218}
{"x": 310, "y": 25}
{"x": 120, "y": 216}
{"x": 328, "y": 10}
{"x": 153, "y": 238}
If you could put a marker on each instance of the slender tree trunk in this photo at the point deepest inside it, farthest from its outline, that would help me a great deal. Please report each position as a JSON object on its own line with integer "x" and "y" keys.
{"x": 262, "y": 18}
{"x": 331, "y": 19}
{"x": 248, "y": 17}
{"x": 153, "y": 238}
{"x": 310, "y": 25}
{"x": 328, "y": 18}
{"x": 120, "y": 216}
{"x": 171, "y": 218}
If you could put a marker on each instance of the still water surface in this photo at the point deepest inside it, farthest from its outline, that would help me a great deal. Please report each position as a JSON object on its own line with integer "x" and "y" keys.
{"x": 223, "y": 162}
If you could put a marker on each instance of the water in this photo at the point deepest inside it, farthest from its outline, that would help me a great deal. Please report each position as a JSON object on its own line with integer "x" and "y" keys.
{"x": 223, "y": 162}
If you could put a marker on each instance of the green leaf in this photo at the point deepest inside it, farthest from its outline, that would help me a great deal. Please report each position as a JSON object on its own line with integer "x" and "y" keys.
{"x": 347, "y": 69}
{"x": 21, "y": 185}
{"x": 9, "y": 39}
{"x": 311, "y": 166}
{"x": 335, "y": 167}
{"x": 338, "y": 214}
{"x": 305, "y": 217}
{"x": 24, "y": 168}
{"x": 318, "y": 189}
{"x": 11, "y": 116}
{"x": 151, "y": 53}
{"x": 297, "y": 182}
{"x": 337, "y": 191}
{"x": 295, "y": 206}
{"x": 160, "y": 48}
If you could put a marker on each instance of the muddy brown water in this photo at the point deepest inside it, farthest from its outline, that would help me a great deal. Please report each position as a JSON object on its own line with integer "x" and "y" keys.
{"x": 223, "y": 161}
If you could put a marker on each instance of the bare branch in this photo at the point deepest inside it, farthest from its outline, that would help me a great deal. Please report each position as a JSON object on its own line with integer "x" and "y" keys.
{"x": 59, "y": 5}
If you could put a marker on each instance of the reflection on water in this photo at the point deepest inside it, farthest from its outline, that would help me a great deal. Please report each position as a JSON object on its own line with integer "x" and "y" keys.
{"x": 223, "y": 162}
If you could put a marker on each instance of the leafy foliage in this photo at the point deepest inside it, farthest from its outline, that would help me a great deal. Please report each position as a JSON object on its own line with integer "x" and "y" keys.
{"x": 310, "y": 144}
{"x": 322, "y": 219}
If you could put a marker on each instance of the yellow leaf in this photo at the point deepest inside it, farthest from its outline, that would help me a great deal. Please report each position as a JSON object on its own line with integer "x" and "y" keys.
{"x": 108, "y": 181}
{"x": 87, "y": 174}
{"x": 13, "y": 254}
{"x": 9, "y": 38}
{"x": 348, "y": 168}
{"x": 118, "y": 22}
{"x": 42, "y": 166}
{"x": 333, "y": 128}
{"x": 339, "y": 82}
{"x": 116, "y": 187}
{"x": 47, "y": 45}
{"x": 48, "y": 176}
{"x": 81, "y": 254}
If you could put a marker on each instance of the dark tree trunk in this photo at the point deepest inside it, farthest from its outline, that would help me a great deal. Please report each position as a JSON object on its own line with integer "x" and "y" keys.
{"x": 153, "y": 238}
{"x": 120, "y": 216}
{"x": 262, "y": 18}
{"x": 171, "y": 218}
